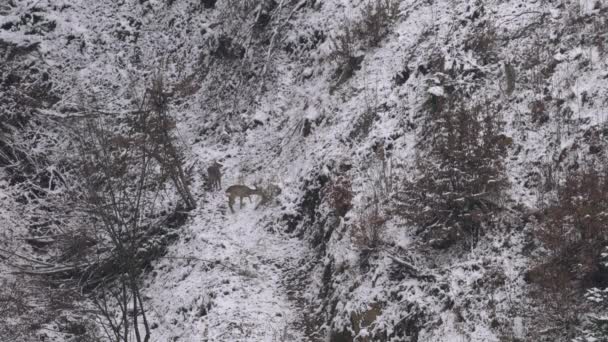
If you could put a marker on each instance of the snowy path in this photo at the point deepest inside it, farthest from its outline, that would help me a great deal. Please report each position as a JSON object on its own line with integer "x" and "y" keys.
{"x": 225, "y": 278}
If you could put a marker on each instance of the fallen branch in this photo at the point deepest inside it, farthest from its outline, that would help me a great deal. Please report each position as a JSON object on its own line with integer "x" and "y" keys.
{"x": 30, "y": 259}
{"x": 413, "y": 271}
{"x": 50, "y": 271}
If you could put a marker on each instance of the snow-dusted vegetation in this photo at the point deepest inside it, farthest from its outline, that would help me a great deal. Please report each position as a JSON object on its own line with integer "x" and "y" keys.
{"x": 389, "y": 170}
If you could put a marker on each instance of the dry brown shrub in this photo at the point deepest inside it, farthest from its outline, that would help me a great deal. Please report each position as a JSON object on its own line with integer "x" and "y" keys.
{"x": 573, "y": 234}
{"x": 539, "y": 111}
{"x": 576, "y": 228}
{"x": 340, "y": 195}
{"x": 366, "y": 232}
{"x": 484, "y": 43}
{"x": 377, "y": 16}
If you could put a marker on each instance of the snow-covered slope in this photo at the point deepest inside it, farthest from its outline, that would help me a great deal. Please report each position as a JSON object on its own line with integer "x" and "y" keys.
{"x": 224, "y": 279}
{"x": 303, "y": 95}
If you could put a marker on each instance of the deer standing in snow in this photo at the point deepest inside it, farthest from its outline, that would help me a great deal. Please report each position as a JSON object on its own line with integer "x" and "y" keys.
{"x": 215, "y": 175}
{"x": 241, "y": 191}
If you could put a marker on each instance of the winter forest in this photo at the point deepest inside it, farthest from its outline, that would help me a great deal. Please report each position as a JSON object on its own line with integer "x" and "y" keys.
{"x": 304, "y": 170}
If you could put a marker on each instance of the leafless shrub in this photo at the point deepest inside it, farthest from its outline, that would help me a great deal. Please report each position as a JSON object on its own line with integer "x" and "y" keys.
{"x": 76, "y": 245}
{"x": 344, "y": 52}
{"x": 157, "y": 124}
{"x": 363, "y": 125}
{"x": 548, "y": 185}
{"x": 539, "y": 111}
{"x": 365, "y": 122}
{"x": 377, "y": 16}
{"x": 241, "y": 50}
{"x": 28, "y": 303}
{"x": 559, "y": 310}
{"x": 574, "y": 233}
{"x": 83, "y": 331}
{"x": 120, "y": 204}
{"x": 13, "y": 300}
{"x": 366, "y": 232}
{"x": 340, "y": 195}
{"x": 483, "y": 42}
{"x": 369, "y": 225}
{"x": 576, "y": 227}
{"x": 239, "y": 11}
{"x": 599, "y": 28}
{"x": 538, "y": 64}
{"x": 381, "y": 173}
{"x": 125, "y": 170}
{"x": 270, "y": 193}
{"x": 344, "y": 43}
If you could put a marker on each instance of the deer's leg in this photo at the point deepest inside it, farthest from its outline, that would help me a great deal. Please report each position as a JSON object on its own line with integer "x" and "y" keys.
{"x": 230, "y": 203}
{"x": 241, "y": 201}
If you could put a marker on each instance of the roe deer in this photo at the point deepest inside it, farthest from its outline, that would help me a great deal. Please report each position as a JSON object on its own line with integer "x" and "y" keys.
{"x": 215, "y": 175}
{"x": 241, "y": 191}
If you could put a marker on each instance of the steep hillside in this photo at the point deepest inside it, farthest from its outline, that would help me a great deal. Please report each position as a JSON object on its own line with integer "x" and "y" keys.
{"x": 432, "y": 170}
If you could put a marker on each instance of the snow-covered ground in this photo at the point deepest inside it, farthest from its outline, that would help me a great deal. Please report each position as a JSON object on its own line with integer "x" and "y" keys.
{"x": 224, "y": 279}
{"x": 291, "y": 271}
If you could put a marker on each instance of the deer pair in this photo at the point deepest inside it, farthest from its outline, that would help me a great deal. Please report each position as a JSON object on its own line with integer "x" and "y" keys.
{"x": 215, "y": 177}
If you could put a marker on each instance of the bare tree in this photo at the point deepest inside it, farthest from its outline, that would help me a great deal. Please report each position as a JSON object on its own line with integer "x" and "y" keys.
{"x": 156, "y": 122}
{"x": 120, "y": 188}
{"x": 124, "y": 170}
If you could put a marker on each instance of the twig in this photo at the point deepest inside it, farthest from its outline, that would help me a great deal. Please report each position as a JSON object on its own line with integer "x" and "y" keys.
{"x": 23, "y": 257}
{"x": 409, "y": 267}
{"x": 50, "y": 271}
{"x": 513, "y": 16}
